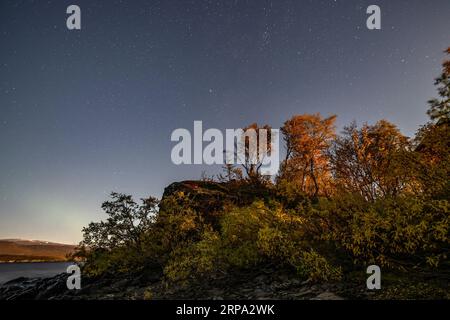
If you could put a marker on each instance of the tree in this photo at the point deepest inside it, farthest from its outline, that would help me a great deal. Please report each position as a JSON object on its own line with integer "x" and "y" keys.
{"x": 127, "y": 222}
{"x": 369, "y": 161}
{"x": 439, "y": 111}
{"x": 433, "y": 141}
{"x": 308, "y": 138}
{"x": 254, "y": 151}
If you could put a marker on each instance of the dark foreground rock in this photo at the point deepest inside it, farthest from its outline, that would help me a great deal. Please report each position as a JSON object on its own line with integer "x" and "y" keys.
{"x": 259, "y": 284}
{"x": 265, "y": 284}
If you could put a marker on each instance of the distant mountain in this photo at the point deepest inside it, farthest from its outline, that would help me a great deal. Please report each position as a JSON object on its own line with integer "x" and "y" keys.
{"x": 33, "y": 250}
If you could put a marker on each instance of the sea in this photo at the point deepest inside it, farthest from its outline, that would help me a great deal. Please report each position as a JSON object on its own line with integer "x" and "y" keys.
{"x": 11, "y": 271}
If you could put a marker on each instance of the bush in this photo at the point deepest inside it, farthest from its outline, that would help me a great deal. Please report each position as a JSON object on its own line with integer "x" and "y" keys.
{"x": 396, "y": 232}
{"x": 318, "y": 241}
{"x": 250, "y": 236}
{"x": 314, "y": 266}
{"x": 194, "y": 260}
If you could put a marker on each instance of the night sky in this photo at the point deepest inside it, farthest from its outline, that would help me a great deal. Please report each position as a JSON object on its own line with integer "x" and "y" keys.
{"x": 84, "y": 113}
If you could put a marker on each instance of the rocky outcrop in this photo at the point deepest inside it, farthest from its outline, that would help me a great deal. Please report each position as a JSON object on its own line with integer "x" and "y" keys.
{"x": 212, "y": 195}
{"x": 210, "y": 198}
{"x": 264, "y": 284}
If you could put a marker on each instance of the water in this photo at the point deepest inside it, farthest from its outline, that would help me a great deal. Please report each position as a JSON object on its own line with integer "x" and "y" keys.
{"x": 10, "y": 271}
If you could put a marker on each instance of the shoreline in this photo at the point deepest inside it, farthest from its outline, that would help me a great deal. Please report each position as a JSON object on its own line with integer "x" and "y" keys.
{"x": 34, "y": 261}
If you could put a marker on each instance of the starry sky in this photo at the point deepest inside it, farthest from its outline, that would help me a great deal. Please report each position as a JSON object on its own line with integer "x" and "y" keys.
{"x": 84, "y": 113}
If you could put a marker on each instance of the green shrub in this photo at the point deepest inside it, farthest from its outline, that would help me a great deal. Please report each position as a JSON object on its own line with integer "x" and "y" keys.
{"x": 397, "y": 232}
{"x": 194, "y": 260}
{"x": 314, "y": 266}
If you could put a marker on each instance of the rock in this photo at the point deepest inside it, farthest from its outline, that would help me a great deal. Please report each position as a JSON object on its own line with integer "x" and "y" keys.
{"x": 215, "y": 292}
{"x": 56, "y": 286}
{"x": 211, "y": 196}
{"x": 121, "y": 283}
{"x": 259, "y": 293}
{"x": 295, "y": 282}
{"x": 283, "y": 278}
{"x": 327, "y": 296}
{"x": 239, "y": 285}
{"x": 261, "y": 278}
{"x": 27, "y": 294}
{"x": 16, "y": 281}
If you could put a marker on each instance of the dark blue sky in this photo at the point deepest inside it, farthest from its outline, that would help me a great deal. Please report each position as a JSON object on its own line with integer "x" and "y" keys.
{"x": 84, "y": 113}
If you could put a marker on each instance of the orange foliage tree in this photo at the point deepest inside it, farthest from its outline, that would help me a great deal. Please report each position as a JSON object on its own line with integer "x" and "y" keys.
{"x": 308, "y": 138}
{"x": 370, "y": 160}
